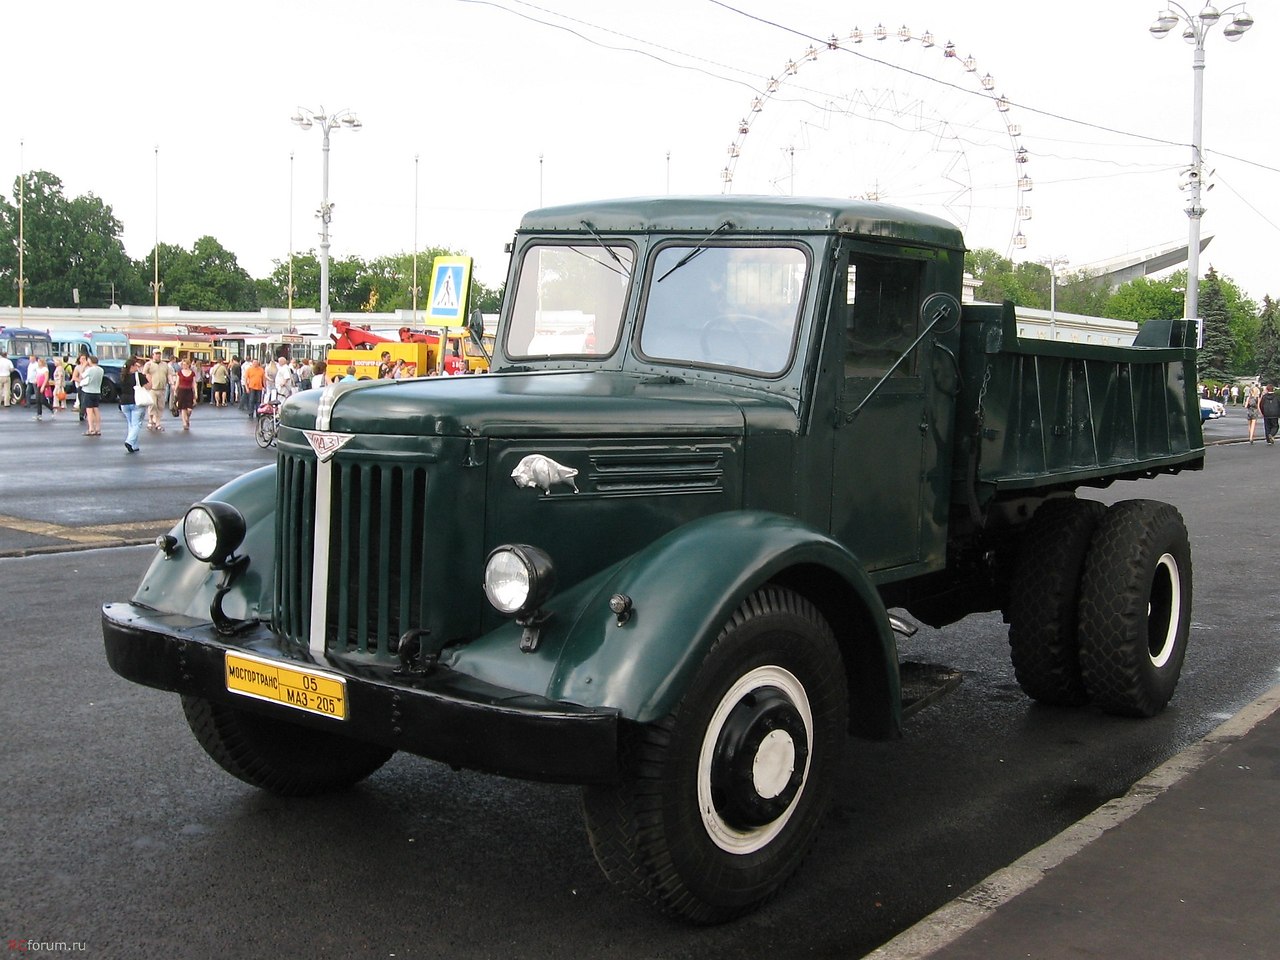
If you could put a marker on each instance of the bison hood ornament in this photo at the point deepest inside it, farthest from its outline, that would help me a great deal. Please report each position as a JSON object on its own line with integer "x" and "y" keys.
{"x": 535, "y": 470}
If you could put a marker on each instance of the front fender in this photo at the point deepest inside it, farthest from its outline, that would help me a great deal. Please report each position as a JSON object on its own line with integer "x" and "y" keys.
{"x": 179, "y": 583}
{"x": 683, "y": 587}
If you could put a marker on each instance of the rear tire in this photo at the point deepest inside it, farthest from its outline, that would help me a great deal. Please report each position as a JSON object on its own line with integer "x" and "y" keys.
{"x": 720, "y": 801}
{"x": 1043, "y": 601}
{"x": 266, "y": 432}
{"x": 1135, "y": 608}
{"x": 277, "y": 756}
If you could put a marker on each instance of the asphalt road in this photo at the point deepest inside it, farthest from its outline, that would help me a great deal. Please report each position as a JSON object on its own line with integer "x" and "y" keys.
{"x": 119, "y": 834}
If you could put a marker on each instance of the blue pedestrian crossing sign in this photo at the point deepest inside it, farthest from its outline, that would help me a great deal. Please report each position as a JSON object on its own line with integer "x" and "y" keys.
{"x": 450, "y": 284}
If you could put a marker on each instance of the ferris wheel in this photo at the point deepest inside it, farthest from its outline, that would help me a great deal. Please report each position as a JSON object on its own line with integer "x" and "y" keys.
{"x": 891, "y": 116}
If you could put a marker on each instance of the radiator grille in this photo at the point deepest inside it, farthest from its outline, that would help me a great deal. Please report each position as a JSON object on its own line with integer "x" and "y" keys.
{"x": 377, "y": 541}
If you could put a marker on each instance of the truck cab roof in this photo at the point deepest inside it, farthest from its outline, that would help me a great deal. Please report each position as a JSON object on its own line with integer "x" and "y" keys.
{"x": 747, "y": 214}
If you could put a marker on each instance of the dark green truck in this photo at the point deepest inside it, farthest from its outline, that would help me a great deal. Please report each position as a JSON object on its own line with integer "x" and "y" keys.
{"x": 656, "y": 550}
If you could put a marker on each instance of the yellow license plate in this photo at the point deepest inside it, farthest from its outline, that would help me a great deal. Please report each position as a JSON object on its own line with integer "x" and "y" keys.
{"x": 270, "y": 680}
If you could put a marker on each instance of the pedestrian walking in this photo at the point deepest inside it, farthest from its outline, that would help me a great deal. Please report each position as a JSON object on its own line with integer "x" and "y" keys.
{"x": 38, "y": 381}
{"x": 286, "y": 379}
{"x": 6, "y": 378}
{"x": 1269, "y": 407}
{"x": 157, "y": 373}
{"x": 91, "y": 396}
{"x": 220, "y": 379}
{"x": 60, "y": 385}
{"x": 1251, "y": 397}
{"x": 133, "y": 383}
{"x": 255, "y": 378}
{"x": 184, "y": 391}
{"x": 235, "y": 373}
{"x": 82, "y": 362}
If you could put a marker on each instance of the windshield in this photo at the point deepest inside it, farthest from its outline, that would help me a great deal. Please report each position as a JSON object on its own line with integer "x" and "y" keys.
{"x": 113, "y": 351}
{"x": 569, "y": 300}
{"x": 728, "y": 306}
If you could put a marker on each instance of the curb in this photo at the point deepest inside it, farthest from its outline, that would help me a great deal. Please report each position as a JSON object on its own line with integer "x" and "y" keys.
{"x": 949, "y": 922}
{"x": 74, "y": 547}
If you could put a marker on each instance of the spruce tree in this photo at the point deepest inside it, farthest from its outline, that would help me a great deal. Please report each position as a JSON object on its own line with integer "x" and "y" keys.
{"x": 1267, "y": 346}
{"x": 1214, "y": 361}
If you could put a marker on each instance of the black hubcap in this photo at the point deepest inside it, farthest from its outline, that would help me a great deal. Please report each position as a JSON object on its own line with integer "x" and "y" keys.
{"x": 733, "y": 772}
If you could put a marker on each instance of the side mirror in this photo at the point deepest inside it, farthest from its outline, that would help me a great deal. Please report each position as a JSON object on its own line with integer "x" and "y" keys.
{"x": 475, "y": 327}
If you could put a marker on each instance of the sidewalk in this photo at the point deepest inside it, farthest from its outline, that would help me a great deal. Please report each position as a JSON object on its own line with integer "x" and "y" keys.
{"x": 1185, "y": 866}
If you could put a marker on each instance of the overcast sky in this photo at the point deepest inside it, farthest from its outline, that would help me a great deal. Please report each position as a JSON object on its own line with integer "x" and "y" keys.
{"x": 510, "y": 104}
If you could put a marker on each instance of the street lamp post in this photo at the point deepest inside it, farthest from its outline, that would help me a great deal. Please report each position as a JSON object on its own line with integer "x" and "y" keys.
{"x": 1197, "y": 28}
{"x": 327, "y": 121}
{"x": 1053, "y": 263}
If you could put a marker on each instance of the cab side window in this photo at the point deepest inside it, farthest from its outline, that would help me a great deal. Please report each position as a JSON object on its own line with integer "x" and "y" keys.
{"x": 883, "y": 298}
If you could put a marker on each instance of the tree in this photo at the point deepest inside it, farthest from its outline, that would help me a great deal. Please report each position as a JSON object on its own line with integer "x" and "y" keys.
{"x": 1215, "y": 358}
{"x": 207, "y": 277}
{"x": 1267, "y": 342}
{"x": 70, "y": 247}
{"x": 1144, "y": 299}
{"x": 1026, "y": 284}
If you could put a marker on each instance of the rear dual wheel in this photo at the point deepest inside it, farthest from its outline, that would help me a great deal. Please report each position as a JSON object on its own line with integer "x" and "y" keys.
{"x": 1100, "y": 607}
{"x": 1135, "y": 608}
{"x": 720, "y": 801}
{"x": 1044, "y": 598}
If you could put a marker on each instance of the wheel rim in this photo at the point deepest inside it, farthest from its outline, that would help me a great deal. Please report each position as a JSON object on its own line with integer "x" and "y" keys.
{"x": 1164, "y": 611}
{"x": 755, "y": 760}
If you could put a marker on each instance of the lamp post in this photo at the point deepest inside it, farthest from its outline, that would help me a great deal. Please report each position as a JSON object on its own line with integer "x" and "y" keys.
{"x": 327, "y": 121}
{"x": 1053, "y": 263}
{"x": 291, "y": 291}
{"x": 155, "y": 253}
{"x": 1196, "y": 29}
{"x": 415, "y": 241}
{"x": 22, "y": 243}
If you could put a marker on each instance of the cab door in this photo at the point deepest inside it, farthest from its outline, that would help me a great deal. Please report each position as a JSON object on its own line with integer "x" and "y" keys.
{"x": 880, "y": 431}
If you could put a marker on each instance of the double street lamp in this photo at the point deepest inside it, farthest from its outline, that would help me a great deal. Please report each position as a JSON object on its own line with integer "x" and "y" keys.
{"x": 306, "y": 119}
{"x": 1197, "y": 27}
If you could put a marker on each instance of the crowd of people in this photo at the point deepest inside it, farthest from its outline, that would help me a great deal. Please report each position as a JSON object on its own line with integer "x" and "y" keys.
{"x": 151, "y": 387}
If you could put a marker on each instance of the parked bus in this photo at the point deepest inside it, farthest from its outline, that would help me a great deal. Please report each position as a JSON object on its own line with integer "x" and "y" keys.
{"x": 201, "y": 348}
{"x": 109, "y": 346}
{"x": 21, "y": 343}
{"x": 295, "y": 346}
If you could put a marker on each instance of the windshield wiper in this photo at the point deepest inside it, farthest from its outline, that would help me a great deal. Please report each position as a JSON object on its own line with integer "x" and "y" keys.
{"x": 606, "y": 248}
{"x": 702, "y": 245}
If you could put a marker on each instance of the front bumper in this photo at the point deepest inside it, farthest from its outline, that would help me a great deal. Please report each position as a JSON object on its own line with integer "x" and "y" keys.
{"x": 446, "y": 716}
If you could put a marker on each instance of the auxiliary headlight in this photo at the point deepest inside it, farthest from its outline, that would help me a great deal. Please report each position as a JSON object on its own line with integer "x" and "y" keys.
{"x": 518, "y": 578}
{"x": 214, "y": 531}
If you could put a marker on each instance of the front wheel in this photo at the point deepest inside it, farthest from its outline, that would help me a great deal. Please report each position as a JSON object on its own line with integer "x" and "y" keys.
{"x": 110, "y": 392}
{"x": 720, "y": 801}
{"x": 278, "y": 756}
{"x": 1135, "y": 607}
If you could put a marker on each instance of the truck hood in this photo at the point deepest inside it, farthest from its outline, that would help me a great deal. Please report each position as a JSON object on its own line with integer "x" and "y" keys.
{"x": 521, "y": 405}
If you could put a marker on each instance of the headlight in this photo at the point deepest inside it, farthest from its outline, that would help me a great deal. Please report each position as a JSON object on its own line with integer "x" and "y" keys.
{"x": 213, "y": 531}
{"x": 518, "y": 578}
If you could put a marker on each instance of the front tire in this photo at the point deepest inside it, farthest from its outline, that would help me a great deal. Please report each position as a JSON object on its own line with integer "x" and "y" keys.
{"x": 720, "y": 801}
{"x": 1135, "y": 608}
{"x": 277, "y": 756}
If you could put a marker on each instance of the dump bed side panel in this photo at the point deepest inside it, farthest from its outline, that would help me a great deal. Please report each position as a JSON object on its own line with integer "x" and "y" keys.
{"x": 1041, "y": 415}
